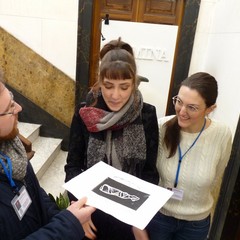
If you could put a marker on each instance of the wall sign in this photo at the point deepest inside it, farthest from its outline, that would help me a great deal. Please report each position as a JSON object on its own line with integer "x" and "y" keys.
{"x": 154, "y": 47}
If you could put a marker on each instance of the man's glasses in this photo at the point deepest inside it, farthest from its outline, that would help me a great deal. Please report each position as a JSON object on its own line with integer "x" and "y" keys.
{"x": 11, "y": 107}
{"x": 190, "y": 108}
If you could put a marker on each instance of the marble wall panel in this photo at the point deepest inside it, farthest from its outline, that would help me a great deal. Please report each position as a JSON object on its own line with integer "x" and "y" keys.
{"x": 37, "y": 79}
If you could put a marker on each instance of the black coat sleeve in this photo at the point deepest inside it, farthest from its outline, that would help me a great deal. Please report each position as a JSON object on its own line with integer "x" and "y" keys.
{"x": 150, "y": 123}
{"x": 76, "y": 159}
{"x": 63, "y": 226}
{"x": 42, "y": 220}
{"x": 40, "y": 198}
{"x": 57, "y": 224}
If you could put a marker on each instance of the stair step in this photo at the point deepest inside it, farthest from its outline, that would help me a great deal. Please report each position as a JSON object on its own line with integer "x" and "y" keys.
{"x": 29, "y": 130}
{"x": 46, "y": 149}
{"x": 48, "y": 161}
{"x": 54, "y": 177}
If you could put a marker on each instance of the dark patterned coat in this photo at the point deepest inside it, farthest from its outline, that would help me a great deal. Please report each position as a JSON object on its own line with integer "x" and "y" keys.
{"x": 108, "y": 227}
{"x": 42, "y": 221}
{"x": 79, "y": 135}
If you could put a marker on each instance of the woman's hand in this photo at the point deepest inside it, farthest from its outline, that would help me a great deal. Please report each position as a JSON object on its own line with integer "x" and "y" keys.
{"x": 89, "y": 229}
{"x": 140, "y": 234}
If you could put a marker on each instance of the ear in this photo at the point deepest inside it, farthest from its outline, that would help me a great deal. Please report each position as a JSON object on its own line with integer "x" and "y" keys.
{"x": 210, "y": 109}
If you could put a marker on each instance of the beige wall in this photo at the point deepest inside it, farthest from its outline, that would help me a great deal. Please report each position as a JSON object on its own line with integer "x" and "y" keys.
{"x": 217, "y": 50}
{"x": 49, "y": 28}
{"x": 37, "y": 79}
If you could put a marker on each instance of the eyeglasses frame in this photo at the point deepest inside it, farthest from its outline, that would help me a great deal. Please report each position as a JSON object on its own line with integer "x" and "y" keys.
{"x": 189, "y": 107}
{"x": 13, "y": 107}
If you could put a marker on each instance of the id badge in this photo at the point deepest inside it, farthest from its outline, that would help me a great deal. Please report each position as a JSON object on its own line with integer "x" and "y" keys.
{"x": 21, "y": 202}
{"x": 177, "y": 194}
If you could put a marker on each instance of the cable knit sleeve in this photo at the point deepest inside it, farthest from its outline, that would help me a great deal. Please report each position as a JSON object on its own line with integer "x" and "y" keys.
{"x": 225, "y": 147}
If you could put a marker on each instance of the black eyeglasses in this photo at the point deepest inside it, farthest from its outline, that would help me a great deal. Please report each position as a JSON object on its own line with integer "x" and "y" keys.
{"x": 11, "y": 108}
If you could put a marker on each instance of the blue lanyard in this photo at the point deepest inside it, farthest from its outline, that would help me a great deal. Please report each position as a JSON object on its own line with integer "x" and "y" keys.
{"x": 8, "y": 171}
{"x": 181, "y": 156}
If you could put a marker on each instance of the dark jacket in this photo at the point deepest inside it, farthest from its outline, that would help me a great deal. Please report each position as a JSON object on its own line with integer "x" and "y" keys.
{"x": 43, "y": 220}
{"x": 79, "y": 135}
{"x": 108, "y": 227}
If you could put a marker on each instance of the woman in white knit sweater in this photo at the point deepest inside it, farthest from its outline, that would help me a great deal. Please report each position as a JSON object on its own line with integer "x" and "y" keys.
{"x": 193, "y": 153}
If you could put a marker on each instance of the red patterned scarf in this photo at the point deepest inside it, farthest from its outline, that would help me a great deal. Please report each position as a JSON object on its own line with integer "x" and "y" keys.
{"x": 116, "y": 137}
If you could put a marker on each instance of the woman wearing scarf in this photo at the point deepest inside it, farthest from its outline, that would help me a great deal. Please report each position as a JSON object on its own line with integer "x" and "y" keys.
{"x": 117, "y": 127}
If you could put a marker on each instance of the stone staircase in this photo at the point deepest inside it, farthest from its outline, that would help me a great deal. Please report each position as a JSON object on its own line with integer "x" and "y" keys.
{"x": 48, "y": 161}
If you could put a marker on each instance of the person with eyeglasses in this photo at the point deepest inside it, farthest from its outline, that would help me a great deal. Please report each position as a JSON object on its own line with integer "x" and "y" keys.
{"x": 26, "y": 211}
{"x": 193, "y": 153}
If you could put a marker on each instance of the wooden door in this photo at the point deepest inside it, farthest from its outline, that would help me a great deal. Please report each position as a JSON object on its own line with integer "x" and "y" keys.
{"x": 147, "y": 11}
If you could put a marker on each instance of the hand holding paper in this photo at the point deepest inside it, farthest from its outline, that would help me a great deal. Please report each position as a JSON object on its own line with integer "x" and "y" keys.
{"x": 119, "y": 194}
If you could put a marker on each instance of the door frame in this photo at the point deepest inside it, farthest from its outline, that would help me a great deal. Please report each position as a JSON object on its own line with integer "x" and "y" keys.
{"x": 88, "y": 9}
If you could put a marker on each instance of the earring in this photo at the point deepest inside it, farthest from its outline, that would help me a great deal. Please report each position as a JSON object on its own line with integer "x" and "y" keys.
{"x": 97, "y": 94}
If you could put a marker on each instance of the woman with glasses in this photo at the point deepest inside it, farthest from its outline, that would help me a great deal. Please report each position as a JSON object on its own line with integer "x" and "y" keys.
{"x": 193, "y": 153}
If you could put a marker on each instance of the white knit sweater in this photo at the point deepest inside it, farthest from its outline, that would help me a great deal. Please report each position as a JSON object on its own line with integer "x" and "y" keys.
{"x": 201, "y": 168}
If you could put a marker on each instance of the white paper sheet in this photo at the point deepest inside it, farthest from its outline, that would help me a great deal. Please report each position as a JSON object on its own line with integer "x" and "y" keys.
{"x": 119, "y": 194}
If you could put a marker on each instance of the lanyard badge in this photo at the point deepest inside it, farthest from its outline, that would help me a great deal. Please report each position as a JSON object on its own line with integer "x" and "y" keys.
{"x": 178, "y": 193}
{"x": 22, "y": 200}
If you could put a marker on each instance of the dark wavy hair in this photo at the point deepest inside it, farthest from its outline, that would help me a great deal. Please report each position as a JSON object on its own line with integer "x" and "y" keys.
{"x": 206, "y": 85}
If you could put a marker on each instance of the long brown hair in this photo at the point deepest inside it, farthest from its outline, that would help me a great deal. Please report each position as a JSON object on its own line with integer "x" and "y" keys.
{"x": 206, "y": 85}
